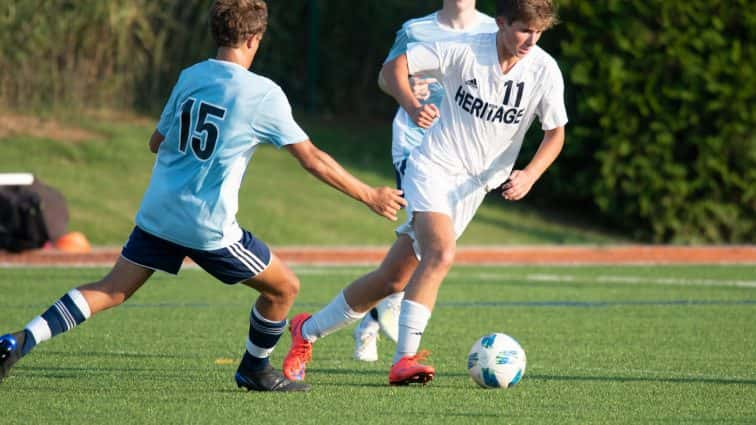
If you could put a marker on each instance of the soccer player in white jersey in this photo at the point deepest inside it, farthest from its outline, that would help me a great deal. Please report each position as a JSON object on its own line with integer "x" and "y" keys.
{"x": 217, "y": 115}
{"x": 456, "y": 19}
{"x": 494, "y": 86}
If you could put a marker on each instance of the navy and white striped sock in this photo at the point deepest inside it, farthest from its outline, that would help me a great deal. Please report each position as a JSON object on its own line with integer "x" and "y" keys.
{"x": 68, "y": 312}
{"x": 263, "y": 337}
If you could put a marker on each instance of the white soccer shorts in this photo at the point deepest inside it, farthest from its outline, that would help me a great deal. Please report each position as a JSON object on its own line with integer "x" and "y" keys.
{"x": 428, "y": 188}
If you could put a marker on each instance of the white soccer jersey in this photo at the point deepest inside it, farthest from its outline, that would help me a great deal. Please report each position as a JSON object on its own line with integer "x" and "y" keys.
{"x": 406, "y": 135}
{"x": 485, "y": 113}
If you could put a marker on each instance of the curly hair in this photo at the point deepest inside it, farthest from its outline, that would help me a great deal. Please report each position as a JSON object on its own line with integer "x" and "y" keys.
{"x": 233, "y": 21}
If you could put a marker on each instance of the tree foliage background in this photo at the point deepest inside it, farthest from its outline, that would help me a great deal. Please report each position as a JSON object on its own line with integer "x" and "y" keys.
{"x": 661, "y": 94}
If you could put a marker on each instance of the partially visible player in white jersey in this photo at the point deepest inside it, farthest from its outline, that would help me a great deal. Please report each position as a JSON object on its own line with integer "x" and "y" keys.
{"x": 455, "y": 20}
{"x": 218, "y": 113}
{"x": 494, "y": 86}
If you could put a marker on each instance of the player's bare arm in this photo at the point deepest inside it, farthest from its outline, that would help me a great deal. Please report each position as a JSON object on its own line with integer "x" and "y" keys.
{"x": 384, "y": 201}
{"x": 521, "y": 181}
{"x": 395, "y": 73}
{"x": 382, "y": 82}
{"x": 155, "y": 140}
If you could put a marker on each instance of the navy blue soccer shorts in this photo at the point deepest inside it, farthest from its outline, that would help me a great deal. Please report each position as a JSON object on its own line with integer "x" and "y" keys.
{"x": 233, "y": 264}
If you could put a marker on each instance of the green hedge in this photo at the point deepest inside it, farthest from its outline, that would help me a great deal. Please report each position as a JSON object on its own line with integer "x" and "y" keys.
{"x": 662, "y": 102}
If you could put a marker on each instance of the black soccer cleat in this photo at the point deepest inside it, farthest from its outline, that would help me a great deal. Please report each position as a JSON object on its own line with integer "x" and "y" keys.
{"x": 10, "y": 351}
{"x": 268, "y": 379}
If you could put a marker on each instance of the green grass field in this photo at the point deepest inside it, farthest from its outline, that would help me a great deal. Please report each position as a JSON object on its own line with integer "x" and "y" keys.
{"x": 104, "y": 179}
{"x": 605, "y": 345}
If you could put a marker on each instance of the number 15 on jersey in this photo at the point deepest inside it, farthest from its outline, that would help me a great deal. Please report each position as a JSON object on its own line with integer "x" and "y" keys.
{"x": 199, "y": 128}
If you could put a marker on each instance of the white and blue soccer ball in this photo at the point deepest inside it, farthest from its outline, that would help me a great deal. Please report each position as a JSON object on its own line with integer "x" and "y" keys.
{"x": 496, "y": 361}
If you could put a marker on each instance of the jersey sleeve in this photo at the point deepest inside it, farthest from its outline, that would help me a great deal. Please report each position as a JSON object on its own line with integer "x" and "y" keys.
{"x": 169, "y": 110}
{"x": 275, "y": 122}
{"x": 426, "y": 59}
{"x": 551, "y": 110}
{"x": 400, "y": 44}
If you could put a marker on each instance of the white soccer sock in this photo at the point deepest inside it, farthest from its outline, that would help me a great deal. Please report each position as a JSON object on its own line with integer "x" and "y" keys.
{"x": 336, "y": 315}
{"x": 39, "y": 329}
{"x": 412, "y": 322}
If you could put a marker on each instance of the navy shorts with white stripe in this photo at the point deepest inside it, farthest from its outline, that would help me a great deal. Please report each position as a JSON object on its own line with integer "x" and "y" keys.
{"x": 236, "y": 263}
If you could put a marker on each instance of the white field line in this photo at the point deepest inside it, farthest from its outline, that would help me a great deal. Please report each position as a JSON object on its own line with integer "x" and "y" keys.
{"x": 678, "y": 281}
{"x": 352, "y": 272}
{"x": 661, "y": 281}
{"x": 616, "y": 279}
{"x": 336, "y": 271}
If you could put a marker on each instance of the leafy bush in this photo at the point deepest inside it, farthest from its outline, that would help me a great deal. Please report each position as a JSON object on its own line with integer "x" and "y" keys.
{"x": 661, "y": 98}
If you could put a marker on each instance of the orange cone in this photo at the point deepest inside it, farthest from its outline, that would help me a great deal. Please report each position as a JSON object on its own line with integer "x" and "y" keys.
{"x": 73, "y": 242}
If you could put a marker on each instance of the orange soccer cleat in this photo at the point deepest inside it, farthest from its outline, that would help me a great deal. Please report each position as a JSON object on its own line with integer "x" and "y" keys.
{"x": 300, "y": 353}
{"x": 408, "y": 371}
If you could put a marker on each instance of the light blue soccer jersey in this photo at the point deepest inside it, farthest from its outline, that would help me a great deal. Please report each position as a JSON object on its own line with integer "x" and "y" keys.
{"x": 406, "y": 135}
{"x": 216, "y": 116}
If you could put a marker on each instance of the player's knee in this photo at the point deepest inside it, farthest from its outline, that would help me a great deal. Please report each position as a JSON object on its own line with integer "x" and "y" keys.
{"x": 441, "y": 257}
{"x": 289, "y": 289}
{"x": 293, "y": 287}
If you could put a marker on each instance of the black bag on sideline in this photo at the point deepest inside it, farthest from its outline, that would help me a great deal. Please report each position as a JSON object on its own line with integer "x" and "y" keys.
{"x": 22, "y": 224}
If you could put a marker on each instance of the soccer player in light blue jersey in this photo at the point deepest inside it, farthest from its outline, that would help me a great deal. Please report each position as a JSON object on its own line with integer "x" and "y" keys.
{"x": 217, "y": 115}
{"x": 456, "y": 19}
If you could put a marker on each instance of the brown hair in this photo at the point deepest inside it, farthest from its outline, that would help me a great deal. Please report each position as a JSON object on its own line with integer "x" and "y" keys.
{"x": 533, "y": 12}
{"x": 233, "y": 21}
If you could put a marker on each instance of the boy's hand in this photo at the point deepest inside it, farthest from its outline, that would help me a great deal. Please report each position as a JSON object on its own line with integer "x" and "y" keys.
{"x": 424, "y": 115}
{"x": 386, "y": 202}
{"x": 155, "y": 140}
{"x": 519, "y": 184}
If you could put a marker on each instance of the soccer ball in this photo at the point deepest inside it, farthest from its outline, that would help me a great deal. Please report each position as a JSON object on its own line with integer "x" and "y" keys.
{"x": 496, "y": 361}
